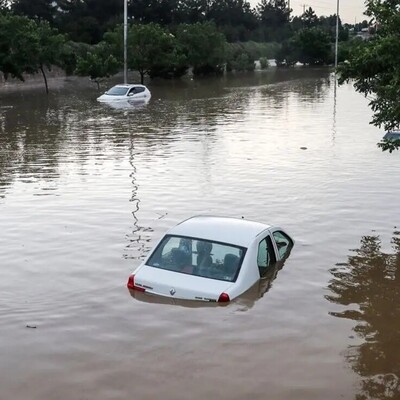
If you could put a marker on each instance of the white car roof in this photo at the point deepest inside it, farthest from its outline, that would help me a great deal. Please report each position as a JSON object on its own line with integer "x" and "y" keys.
{"x": 237, "y": 231}
{"x": 129, "y": 85}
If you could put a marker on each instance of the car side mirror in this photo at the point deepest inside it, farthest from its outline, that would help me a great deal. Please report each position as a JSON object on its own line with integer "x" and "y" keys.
{"x": 131, "y": 94}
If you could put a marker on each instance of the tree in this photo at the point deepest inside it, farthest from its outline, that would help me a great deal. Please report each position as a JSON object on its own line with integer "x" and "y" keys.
{"x": 28, "y": 46}
{"x": 152, "y": 50}
{"x": 163, "y": 12}
{"x": 36, "y": 9}
{"x": 309, "y": 18}
{"x": 375, "y": 67}
{"x": 204, "y": 47}
{"x": 313, "y": 46}
{"x": 192, "y": 11}
{"x": 18, "y": 42}
{"x": 97, "y": 63}
{"x": 88, "y": 20}
{"x": 274, "y": 18}
{"x": 50, "y": 44}
{"x": 235, "y": 18}
{"x": 4, "y": 6}
{"x": 239, "y": 58}
{"x": 288, "y": 54}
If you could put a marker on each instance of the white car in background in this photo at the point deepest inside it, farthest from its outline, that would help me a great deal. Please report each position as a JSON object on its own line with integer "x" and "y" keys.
{"x": 127, "y": 93}
{"x": 211, "y": 259}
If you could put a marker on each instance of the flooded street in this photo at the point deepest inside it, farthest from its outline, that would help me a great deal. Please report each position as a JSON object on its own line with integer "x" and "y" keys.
{"x": 86, "y": 190}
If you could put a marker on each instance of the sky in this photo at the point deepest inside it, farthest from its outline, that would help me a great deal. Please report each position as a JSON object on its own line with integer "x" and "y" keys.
{"x": 349, "y": 10}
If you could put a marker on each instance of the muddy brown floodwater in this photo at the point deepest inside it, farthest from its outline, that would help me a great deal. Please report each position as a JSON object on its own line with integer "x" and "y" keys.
{"x": 86, "y": 189}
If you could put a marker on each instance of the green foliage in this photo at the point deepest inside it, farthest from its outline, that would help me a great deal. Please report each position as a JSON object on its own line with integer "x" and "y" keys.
{"x": 97, "y": 63}
{"x": 288, "y": 54}
{"x": 27, "y": 46}
{"x": 239, "y": 58}
{"x": 274, "y": 17}
{"x": 235, "y": 19}
{"x": 50, "y": 46}
{"x": 313, "y": 46}
{"x": 389, "y": 145}
{"x": 264, "y": 63}
{"x": 152, "y": 50}
{"x": 347, "y": 48}
{"x": 88, "y": 20}
{"x": 258, "y": 50}
{"x": 203, "y": 46}
{"x": 42, "y": 10}
{"x": 309, "y": 18}
{"x": 375, "y": 66}
{"x": 18, "y": 43}
{"x": 4, "y": 6}
{"x": 70, "y": 53}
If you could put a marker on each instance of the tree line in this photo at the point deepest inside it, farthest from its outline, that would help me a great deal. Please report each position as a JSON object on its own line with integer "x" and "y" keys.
{"x": 166, "y": 37}
{"x": 88, "y": 20}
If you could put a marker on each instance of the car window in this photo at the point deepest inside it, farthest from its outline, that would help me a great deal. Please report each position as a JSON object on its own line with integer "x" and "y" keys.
{"x": 198, "y": 257}
{"x": 139, "y": 89}
{"x": 266, "y": 255}
{"x": 117, "y": 91}
{"x": 136, "y": 90}
{"x": 283, "y": 243}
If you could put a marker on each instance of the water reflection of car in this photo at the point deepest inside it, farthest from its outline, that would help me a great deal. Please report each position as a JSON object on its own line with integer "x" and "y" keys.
{"x": 211, "y": 259}
{"x": 126, "y": 93}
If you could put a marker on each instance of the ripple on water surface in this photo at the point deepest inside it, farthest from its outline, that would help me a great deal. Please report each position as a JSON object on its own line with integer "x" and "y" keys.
{"x": 85, "y": 190}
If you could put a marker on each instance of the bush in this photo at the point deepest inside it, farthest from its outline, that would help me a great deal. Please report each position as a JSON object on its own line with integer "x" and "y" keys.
{"x": 239, "y": 58}
{"x": 264, "y": 63}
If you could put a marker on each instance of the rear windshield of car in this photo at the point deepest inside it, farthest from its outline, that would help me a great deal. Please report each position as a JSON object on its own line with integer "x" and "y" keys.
{"x": 117, "y": 91}
{"x": 198, "y": 257}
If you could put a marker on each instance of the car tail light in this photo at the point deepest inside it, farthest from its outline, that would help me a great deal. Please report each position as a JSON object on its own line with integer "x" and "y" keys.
{"x": 224, "y": 298}
{"x": 131, "y": 284}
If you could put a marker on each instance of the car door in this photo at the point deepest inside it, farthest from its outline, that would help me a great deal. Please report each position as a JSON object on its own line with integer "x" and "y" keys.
{"x": 283, "y": 244}
{"x": 140, "y": 92}
{"x": 266, "y": 256}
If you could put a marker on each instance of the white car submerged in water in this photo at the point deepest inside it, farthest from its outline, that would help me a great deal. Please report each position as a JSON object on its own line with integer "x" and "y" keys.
{"x": 128, "y": 93}
{"x": 212, "y": 259}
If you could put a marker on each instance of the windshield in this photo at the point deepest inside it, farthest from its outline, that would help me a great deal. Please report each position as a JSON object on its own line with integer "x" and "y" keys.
{"x": 198, "y": 257}
{"x": 117, "y": 91}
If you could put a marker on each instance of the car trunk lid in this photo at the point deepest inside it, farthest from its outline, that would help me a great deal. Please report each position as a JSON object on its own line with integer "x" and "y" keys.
{"x": 179, "y": 285}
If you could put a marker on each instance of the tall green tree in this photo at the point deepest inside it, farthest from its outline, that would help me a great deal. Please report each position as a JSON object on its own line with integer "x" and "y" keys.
{"x": 375, "y": 67}
{"x": 97, "y": 63}
{"x": 28, "y": 46}
{"x": 4, "y": 6}
{"x": 152, "y": 50}
{"x": 162, "y": 12}
{"x": 235, "y": 18}
{"x": 88, "y": 20}
{"x": 204, "y": 47}
{"x": 192, "y": 11}
{"x": 313, "y": 46}
{"x": 274, "y": 18}
{"x": 36, "y": 9}
{"x": 309, "y": 18}
{"x": 18, "y": 42}
{"x": 50, "y": 45}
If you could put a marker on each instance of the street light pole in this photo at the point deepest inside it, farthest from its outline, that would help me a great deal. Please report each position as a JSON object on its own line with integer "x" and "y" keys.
{"x": 125, "y": 41}
{"x": 337, "y": 36}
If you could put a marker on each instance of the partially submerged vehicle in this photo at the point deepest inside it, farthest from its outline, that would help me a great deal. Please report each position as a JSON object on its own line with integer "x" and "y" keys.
{"x": 127, "y": 93}
{"x": 211, "y": 259}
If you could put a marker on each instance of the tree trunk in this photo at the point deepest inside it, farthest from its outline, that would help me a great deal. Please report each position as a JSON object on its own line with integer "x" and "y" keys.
{"x": 141, "y": 77}
{"x": 45, "y": 79}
